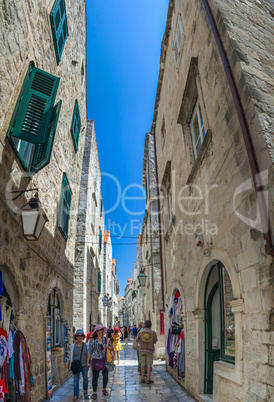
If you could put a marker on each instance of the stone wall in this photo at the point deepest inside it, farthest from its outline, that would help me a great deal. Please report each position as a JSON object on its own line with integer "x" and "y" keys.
{"x": 89, "y": 259}
{"x": 210, "y": 182}
{"x": 38, "y": 267}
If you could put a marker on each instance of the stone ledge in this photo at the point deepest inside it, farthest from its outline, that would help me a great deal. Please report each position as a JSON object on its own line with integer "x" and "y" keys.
{"x": 228, "y": 371}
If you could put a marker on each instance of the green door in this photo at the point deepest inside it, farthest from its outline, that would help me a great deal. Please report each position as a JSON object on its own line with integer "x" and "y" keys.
{"x": 212, "y": 335}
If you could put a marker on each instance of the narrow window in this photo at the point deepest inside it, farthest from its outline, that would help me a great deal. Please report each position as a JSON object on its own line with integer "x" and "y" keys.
{"x": 93, "y": 212}
{"x": 163, "y": 132}
{"x": 178, "y": 40}
{"x": 59, "y": 27}
{"x": 75, "y": 125}
{"x": 197, "y": 129}
{"x": 55, "y": 321}
{"x": 64, "y": 208}
{"x": 101, "y": 208}
{"x": 99, "y": 282}
{"x": 100, "y": 240}
{"x": 33, "y": 125}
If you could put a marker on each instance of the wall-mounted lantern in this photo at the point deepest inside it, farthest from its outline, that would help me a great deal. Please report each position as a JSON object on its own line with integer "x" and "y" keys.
{"x": 142, "y": 278}
{"x": 33, "y": 216}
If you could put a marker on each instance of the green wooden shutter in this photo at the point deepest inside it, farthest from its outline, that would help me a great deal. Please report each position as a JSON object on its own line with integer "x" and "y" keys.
{"x": 59, "y": 27}
{"x": 100, "y": 240}
{"x": 33, "y": 110}
{"x": 64, "y": 207}
{"x": 101, "y": 208}
{"x": 99, "y": 282}
{"x": 42, "y": 153}
{"x": 75, "y": 125}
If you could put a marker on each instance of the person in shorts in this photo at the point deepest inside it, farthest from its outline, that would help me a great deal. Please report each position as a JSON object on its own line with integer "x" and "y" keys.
{"x": 146, "y": 338}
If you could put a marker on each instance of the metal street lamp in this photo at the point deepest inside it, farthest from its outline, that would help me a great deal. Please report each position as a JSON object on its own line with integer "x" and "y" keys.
{"x": 142, "y": 278}
{"x": 105, "y": 301}
{"x": 33, "y": 216}
{"x": 109, "y": 302}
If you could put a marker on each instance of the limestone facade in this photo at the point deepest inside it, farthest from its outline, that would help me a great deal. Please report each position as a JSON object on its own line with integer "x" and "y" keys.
{"x": 215, "y": 253}
{"x": 90, "y": 223}
{"x": 150, "y": 241}
{"x": 32, "y": 271}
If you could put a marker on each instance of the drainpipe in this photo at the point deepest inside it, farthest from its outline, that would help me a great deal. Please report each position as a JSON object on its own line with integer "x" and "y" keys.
{"x": 151, "y": 250}
{"x": 269, "y": 248}
{"x": 159, "y": 220}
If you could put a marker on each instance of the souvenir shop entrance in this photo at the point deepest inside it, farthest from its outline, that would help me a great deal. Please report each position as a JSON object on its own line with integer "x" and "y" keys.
{"x": 219, "y": 322}
{"x": 175, "y": 347}
{"x": 15, "y": 360}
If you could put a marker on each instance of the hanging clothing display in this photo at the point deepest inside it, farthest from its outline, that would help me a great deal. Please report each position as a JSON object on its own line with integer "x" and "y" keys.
{"x": 176, "y": 337}
{"x": 3, "y": 346}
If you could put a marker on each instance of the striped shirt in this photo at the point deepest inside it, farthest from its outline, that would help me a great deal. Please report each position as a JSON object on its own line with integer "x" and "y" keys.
{"x": 98, "y": 350}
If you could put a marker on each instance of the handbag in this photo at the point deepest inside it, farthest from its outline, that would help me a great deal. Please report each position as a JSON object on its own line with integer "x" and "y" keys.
{"x": 98, "y": 364}
{"x": 135, "y": 344}
{"x": 76, "y": 366}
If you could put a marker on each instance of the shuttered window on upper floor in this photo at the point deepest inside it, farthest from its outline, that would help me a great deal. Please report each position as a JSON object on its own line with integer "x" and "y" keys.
{"x": 34, "y": 121}
{"x": 59, "y": 27}
{"x": 75, "y": 125}
{"x": 64, "y": 207}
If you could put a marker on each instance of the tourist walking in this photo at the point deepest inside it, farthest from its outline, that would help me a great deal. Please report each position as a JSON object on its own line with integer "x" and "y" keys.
{"x": 116, "y": 343}
{"x": 140, "y": 328}
{"x": 147, "y": 339}
{"x": 126, "y": 335}
{"x": 98, "y": 357}
{"x": 109, "y": 331}
{"x": 78, "y": 363}
{"x": 134, "y": 331}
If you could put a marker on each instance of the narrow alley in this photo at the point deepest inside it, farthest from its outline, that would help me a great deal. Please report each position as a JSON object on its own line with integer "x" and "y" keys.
{"x": 125, "y": 385}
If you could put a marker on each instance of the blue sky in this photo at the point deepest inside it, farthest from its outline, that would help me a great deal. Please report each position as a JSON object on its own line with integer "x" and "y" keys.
{"x": 123, "y": 59}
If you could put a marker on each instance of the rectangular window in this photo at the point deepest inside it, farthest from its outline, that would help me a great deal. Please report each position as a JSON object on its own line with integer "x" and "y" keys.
{"x": 197, "y": 129}
{"x": 99, "y": 282}
{"x": 178, "y": 40}
{"x": 75, "y": 125}
{"x": 93, "y": 212}
{"x": 163, "y": 132}
{"x": 101, "y": 208}
{"x": 100, "y": 240}
{"x": 64, "y": 208}
{"x": 33, "y": 125}
{"x": 59, "y": 27}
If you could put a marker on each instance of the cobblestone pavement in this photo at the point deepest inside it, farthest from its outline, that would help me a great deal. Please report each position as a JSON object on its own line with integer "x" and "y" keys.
{"x": 124, "y": 384}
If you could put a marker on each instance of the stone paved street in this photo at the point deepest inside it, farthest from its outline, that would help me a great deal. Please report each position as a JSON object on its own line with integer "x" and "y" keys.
{"x": 124, "y": 384}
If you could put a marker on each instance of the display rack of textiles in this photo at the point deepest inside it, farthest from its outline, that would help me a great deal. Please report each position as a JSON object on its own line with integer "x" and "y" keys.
{"x": 176, "y": 336}
{"x": 15, "y": 360}
{"x": 67, "y": 342}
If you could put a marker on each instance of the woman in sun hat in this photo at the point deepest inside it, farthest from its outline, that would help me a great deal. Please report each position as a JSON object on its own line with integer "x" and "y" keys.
{"x": 116, "y": 343}
{"x": 98, "y": 357}
{"x": 79, "y": 351}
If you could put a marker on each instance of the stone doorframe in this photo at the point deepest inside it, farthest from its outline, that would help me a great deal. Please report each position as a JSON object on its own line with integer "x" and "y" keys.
{"x": 231, "y": 372}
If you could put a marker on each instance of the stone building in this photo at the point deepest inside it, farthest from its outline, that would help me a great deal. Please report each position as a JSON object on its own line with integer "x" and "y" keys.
{"x": 213, "y": 128}
{"x": 90, "y": 226}
{"x": 42, "y": 133}
{"x": 153, "y": 298}
{"x": 106, "y": 311}
{"x": 127, "y": 304}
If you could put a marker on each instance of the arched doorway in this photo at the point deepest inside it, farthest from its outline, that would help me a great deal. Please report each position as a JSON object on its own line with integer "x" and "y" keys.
{"x": 219, "y": 322}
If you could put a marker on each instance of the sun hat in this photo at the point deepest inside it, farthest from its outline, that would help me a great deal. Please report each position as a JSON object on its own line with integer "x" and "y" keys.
{"x": 146, "y": 336}
{"x": 97, "y": 328}
{"x": 79, "y": 332}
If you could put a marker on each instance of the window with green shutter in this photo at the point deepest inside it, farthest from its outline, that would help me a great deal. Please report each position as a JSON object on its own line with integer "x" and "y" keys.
{"x": 64, "y": 207}
{"x": 101, "y": 208}
{"x": 34, "y": 121}
{"x": 75, "y": 125}
{"x": 59, "y": 27}
{"x": 100, "y": 240}
{"x": 99, "y": 282}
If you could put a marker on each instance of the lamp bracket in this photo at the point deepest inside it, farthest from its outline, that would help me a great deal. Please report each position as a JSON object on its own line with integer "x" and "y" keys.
{"x": 22, "y": 192}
